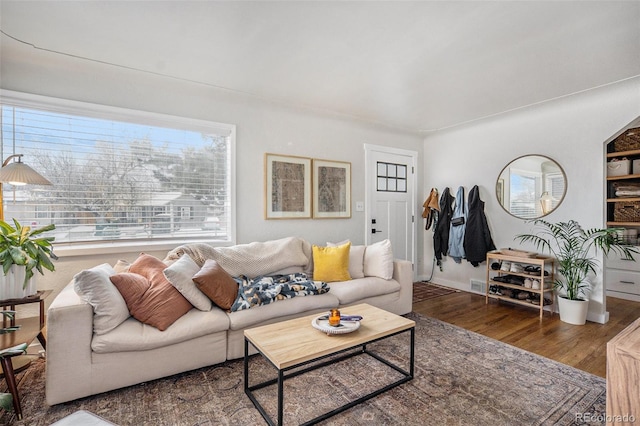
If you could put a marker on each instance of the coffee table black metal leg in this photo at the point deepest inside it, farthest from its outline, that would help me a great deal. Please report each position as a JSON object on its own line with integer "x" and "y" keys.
{"x": 246, "y": 366}
{"x": 280, "y": 397}
{"x": 413, "y": 352}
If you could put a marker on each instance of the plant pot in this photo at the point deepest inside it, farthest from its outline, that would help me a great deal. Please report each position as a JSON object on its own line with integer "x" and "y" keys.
{"x": 573, "y": 311}
{"x": 12, "y": 284}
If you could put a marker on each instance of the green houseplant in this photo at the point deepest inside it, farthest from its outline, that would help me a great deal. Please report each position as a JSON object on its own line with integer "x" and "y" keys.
{"x": 575, "y": 249}
{"x": 24, "y": 246}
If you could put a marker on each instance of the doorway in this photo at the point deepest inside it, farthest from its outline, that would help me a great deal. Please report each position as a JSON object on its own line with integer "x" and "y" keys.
{"x": 390, "y": 198}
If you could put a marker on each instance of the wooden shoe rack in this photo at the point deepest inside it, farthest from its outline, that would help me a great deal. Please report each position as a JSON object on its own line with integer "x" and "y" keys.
{"x": 545, "y": 263}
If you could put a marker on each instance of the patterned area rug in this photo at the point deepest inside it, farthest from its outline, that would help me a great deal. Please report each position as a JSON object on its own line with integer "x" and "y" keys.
{"x": 460, "y": 378}
{"x": 423, "y": 291}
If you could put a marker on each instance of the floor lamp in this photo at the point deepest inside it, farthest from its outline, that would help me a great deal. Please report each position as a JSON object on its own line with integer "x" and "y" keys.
{"x": 18, "y": 173}
{"x": 545, "y": 198}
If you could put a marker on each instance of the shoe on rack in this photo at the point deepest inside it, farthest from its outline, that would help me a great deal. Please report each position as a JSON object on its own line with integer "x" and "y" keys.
{"x": 516, "y": 280}
{"x": 506, "y": 266}
{"x": 547, "y": 301}
{"x": 533, "y": 270}
{"x": 499, "y": 291}
{"x": 493, "y": 289}
{"x": 535, "y": 284}
{"x": 528, "y": 282}
{"x": 523, "y": 295}
{"x": 495, "y": 266}
{"x": 516, "y": 267}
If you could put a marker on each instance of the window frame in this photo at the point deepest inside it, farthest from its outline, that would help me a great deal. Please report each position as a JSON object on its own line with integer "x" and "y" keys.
{"x": 537, "y": 181}
{"x": 65, "y": 106}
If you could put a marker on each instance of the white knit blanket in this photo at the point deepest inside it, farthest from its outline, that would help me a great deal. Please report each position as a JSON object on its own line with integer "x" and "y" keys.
{"x": 253, "y": 259}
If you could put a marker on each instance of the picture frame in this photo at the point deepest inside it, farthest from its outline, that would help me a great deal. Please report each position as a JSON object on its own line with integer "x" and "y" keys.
{"x": 331, "y": 189}
{"x": 287, "y": 187}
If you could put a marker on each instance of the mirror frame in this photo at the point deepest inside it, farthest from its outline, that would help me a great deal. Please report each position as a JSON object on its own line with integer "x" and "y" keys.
{"x": 500, "y": 186}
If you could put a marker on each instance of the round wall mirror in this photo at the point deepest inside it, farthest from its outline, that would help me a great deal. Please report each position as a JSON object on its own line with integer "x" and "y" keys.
{"x": 531, "y": 186}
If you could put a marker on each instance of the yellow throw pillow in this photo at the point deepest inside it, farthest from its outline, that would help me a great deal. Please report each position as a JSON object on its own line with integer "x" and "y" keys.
{"x": 331, "y": 263}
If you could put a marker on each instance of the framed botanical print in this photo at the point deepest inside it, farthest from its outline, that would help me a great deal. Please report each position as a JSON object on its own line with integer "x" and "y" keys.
{"x": 287, "y": 185}
{"x": 331, "y": 189}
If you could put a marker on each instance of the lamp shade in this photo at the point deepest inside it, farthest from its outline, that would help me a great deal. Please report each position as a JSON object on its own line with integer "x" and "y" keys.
{"x": 19, "y": 173}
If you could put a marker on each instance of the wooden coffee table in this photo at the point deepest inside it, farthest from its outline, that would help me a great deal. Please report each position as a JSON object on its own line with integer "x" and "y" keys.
{"x": 294, "y": 343}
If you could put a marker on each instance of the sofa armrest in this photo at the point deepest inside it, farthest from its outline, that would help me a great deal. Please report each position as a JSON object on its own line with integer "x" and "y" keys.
{"x": 69, "y": 334}
{"x": 403, "y": 274}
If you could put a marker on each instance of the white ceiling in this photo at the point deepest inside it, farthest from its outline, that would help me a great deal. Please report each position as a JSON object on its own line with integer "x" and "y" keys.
{"x": 415, "y": 65}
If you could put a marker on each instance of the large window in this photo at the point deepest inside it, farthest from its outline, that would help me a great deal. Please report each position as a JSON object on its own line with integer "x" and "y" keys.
{"x": 118, "y": 175}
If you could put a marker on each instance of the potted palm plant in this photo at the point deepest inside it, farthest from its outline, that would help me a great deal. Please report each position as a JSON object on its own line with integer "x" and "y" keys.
{"x": 22, "y": 252}
{"x": 575, "y": 249}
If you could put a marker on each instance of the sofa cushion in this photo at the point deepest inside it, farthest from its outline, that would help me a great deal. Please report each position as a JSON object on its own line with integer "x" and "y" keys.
{"x": 331, "y": 263}
{"x": 356, "y": 259}
{"x": 378, "y": 260}
{"x": 180, "y": 275}
{"x": 272, "y": 312}
{"x": 217, "y": 284}
{"x": 362, "y": 288}
{"x": 132, "y": 335}
{"x": 94, "y": 287}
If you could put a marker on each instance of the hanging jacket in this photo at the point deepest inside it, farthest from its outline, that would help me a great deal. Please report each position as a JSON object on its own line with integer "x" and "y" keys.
{"x": 441, "y": 233}
{"x": 477, "y": 238}
{"x": 457, "y": 228}
{"x": 431, "y": 209}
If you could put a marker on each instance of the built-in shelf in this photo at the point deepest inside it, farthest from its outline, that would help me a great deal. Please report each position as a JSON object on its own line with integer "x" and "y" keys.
{"x": 622, "y": 200}
{"x": 623, "y": 177}
{"x": 619, "y": 224}
{"x": 621, "y": 277}
{"x": 623, "y": 153}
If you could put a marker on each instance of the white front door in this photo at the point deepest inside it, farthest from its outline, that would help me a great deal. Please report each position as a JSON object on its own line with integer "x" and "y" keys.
{"x": 390, "y": 185}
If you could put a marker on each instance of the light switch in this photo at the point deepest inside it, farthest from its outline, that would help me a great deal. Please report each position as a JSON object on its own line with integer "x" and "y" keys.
{"x": 359, "y": 206}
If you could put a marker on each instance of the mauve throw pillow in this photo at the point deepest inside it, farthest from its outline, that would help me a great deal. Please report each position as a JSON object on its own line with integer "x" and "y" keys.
{"x": 149, "y": 304}
{"x": 217, "y": 284}
{"x": 158, "y": 304}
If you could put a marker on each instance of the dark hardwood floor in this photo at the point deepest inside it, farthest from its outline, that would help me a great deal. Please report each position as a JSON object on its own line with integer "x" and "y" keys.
{"x": 583, "y": 347}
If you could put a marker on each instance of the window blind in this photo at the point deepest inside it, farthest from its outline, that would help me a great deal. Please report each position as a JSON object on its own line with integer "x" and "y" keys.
{"x": 119, "y": 180}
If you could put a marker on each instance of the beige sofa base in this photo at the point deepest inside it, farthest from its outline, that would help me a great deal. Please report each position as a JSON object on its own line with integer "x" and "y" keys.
{"x": 75, "y": 371}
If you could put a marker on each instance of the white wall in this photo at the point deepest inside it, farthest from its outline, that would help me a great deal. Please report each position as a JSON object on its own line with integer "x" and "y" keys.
{"x": 571, "y": 130}
{"x": 261, "y": 127}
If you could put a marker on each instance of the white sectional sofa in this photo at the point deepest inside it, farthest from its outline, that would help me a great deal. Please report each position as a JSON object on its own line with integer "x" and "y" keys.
{"x": 81, "y": 362}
